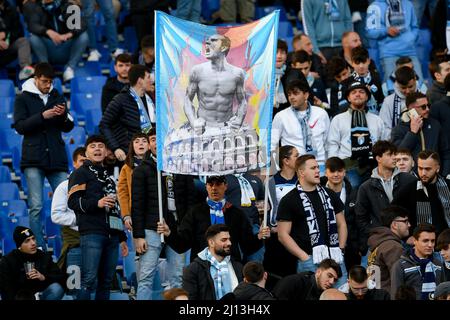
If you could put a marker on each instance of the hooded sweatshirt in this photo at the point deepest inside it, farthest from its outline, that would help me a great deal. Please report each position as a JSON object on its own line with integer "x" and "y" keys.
{"x": 387, "y": 109}
{"x": 251, "y": 291}
{"x": 389, "y": 249}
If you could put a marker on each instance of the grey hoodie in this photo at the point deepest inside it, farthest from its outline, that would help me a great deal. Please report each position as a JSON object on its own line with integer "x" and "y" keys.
{"x": 388, "y": 185}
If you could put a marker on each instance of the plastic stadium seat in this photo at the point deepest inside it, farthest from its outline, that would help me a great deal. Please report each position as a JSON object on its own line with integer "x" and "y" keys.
{"x": 7, "y": 88}
{"x": 17, "y": 208}
{"x": 3, "y": 73}
{"x": 57, "y": 84}
{"x": 93, "y": 117}
{"x": 285, "y": 29}
{"x": 261, "y": 12}
{"x": 88, "y": 69}
{"x": 10, "y": 140}
{"x": 87, "y": 84}
{"x": 76, "y": 136}
{"x": 9, "y": 191}
{"x": 80, "y": 102}
{"x": 131, "y": 42}
{"x": 6, "y": 120}
{"x": 5, "y": 175}
{"x": 7, "y": 104}
{"x": 209, "y": 7}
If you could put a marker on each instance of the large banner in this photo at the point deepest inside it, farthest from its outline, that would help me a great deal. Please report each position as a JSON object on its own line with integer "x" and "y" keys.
{"x": 214, "y": 95}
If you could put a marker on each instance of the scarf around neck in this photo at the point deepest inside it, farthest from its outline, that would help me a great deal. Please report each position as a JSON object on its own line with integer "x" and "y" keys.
{"x": 360, "y": 135}
{"x": 220, "y": 274}
{"x": 280, "y": 97}
{"x": 303, "y": 119}
{"x": 423, "y": 208}
{"x": 320, "y": 250}
{"x": 427, "y": 272}
{"x": 216, "y": 211}
{"x": 395, "y": 16}
{"x": 146, "y": 117}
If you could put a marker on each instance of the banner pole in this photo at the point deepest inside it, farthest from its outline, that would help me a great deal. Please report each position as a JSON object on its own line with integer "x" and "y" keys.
{"x": 161, "y": 219}
{"x": 266, "y": 196}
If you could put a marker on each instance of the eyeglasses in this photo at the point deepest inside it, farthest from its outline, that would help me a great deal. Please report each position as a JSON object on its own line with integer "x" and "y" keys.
{"x": 404, "y": 221}
{"x": 424, "y": 106}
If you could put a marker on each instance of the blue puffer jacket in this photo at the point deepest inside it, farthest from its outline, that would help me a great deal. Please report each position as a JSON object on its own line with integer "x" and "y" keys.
{"x": 401, "y": 45}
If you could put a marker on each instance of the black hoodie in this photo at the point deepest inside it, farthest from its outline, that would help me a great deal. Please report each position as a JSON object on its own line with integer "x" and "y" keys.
{"x": 251, "y": 291}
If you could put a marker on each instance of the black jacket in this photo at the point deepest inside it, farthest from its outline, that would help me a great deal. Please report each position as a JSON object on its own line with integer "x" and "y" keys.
{"x": 197, "y": 280}
{"x": 349, "y": 211}
{"x": 435, "y": 140}
{"x": 372, "y": 294}
{"x": 13, "y": 278}
{"x": 39, "y": 21}
{"x": 298, "y": 287}
{"x": 191, "y": 232}
{"x": 120, "y": 121}
{"x": 109, "y": 91}
{"x": 371, "y": 200}
{"x": 85, "y": 190}
{"x": 144, "y": 197}
{"x": 436, "y": 92}
{"x": 42, "y": 146}
{"x": 440, "y": 111}
{"x": 251, "y": 291}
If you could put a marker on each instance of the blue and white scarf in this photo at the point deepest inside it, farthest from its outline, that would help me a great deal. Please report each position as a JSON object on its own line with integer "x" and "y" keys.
{"x": 280, "y": 97}
{"x": 427, "y": 271}
{"x": 247, "y": 193}
{"x": 395, "y": 16}
{"x": 332, "y": 10}
{"x": 145, "y": 117}
{"x": 303, "y": 120}
{"x": 320, "y": 250}
{"x": 216, "y": 211}
{"x": 220, "y": 274}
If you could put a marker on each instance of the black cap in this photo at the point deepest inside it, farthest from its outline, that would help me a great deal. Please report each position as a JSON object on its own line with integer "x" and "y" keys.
{"x": 20, "y": 234}
{"x": 355, "y": 84}
{"x": 216, "y": 179}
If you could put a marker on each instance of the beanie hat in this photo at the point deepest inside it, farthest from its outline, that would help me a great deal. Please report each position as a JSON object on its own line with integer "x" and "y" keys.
{"x": 20, "y": 234}
{"x": 355, "y": 84}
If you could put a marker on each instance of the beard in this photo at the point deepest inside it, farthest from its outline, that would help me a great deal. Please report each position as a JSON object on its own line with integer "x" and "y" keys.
{"x": 223, "y": 252}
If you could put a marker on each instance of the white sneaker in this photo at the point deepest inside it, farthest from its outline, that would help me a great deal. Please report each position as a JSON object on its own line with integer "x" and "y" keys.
{"x": 94, "y": 55}
{"x": 68, "y": 74}
{"x": 116, "y": 52}
{"x": 26, "y": 72}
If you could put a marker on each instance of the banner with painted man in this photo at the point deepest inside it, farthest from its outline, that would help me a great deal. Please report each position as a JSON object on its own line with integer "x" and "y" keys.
{"x": 214, "y": 95}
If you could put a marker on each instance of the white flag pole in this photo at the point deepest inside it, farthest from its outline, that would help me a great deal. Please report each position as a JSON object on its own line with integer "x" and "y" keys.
{"x": 161, "y": 219}
{"x": 266, "y": 196}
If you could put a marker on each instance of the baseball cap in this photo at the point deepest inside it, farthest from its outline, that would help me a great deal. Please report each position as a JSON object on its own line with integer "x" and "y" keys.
{"x": 355, "y": 84}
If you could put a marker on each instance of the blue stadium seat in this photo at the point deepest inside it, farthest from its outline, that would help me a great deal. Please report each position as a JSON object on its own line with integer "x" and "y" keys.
{"x": 87, "y": 84}
{"x": 5, "y": 175}
{"x": 3, "y": 73}
{"x": 57, "y": 84}
{"x": 7, "y": 227}
{"x": 285, "y": 29}
{"x": 9, "y": 191}
{"x": 80, "y": 102}
{"x": 76, "y": 136}
{"x": 209, "y": 7}
{"x": 7, "y": 88}
{"x": 6, "y": 120}
{"x": 7, "y": 104}
{"x": 131, "y": 42}
{"x": 93, "y": 117}
{"x": 261, "y": 12}
{"x": 17, "y": 208}
{"x": 10, "y": 140}
{"x": 88, "y": 69}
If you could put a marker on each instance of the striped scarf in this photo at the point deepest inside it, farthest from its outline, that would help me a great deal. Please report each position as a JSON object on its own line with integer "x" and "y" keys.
{"x": 427, "y": 271}
{"x": 303, "y": 120}
{"x": 216, "y": 211}
{"x": 247, "y": 193}
{"x": 423, "y": 208}
{"x": 394, "y": 15}
{"x": 220, "y": 274}
{"x": 319, "y": 248}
